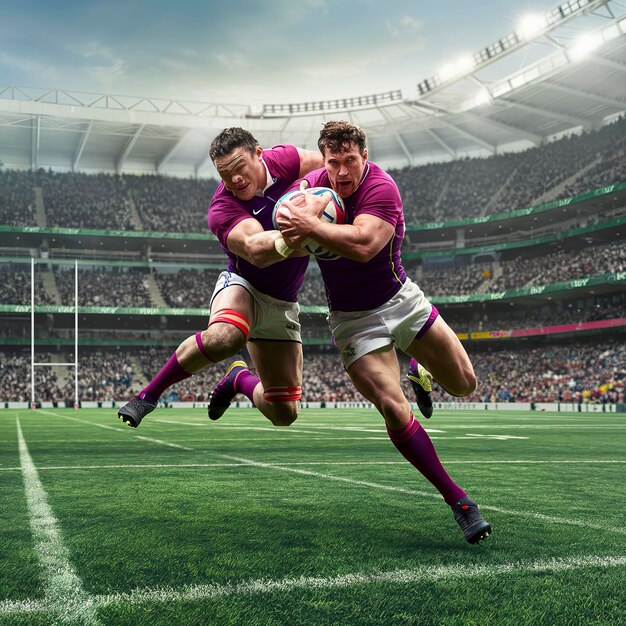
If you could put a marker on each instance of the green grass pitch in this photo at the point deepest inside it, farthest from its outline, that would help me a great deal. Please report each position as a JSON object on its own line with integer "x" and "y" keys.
{"x": 188, "y": 521}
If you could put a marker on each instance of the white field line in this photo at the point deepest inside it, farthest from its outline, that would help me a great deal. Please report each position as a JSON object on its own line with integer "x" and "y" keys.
{"x": 423, "y": 574}
{"x": 426, "y": 494}
{"x": 310, "y": 463}
{"x": 165, "y": 443}
{"x": 63, "y": 588}
{"x": 272, "y": 429}
{"x": 159, "y": 441}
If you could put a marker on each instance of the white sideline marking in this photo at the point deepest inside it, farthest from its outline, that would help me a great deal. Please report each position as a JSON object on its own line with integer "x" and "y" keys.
{"x": 310, "y": 463}
{"x": 63, "y": 588}
{"x": 541, "y": 516}
{"x": 191, "y": 593}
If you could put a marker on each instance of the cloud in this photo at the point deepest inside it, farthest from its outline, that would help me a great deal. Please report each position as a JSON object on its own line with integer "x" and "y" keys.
{"x": 406, "y": 25}
{"x": 242, "y": 52}
{"x": 411, "y": 24}
{"x": 234, "y": 62}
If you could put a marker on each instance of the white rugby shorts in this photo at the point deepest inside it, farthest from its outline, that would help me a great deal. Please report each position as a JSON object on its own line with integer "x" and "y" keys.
{"x": 357, "y": 333}
{"x": 273, "y": 319}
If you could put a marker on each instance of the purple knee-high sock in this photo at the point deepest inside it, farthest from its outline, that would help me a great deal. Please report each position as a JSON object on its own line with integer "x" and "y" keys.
{"x": 416, "y": 447}
{"x": 171, "y": 373}
{"x": 245, "y": 382}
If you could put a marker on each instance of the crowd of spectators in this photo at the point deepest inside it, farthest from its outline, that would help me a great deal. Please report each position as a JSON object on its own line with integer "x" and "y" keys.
{"x": 172, "y": 204}
{"x": 561, "y": 266}
{"x": 522, "y": 272}
{"x": 515, "y": 274}
{"x": 464, "y": 188}
{"x": 453, "y": 281}
{"x": 78, "y": 200}
{"x": 128, "y": 287}
{"x": 15, "y": 286}
{"x": 550, "y": 373}
{"x": 187, "y": 287}
{"x": 111, "y": 286}
{"x": 103, "y": 376}
{"x": 115, "y": 286}
{"x": 17, "y": 198}
{"x": 15, "y": 374}
{"x": 471, "y": 187}
{"x": 519, "y": 316}
{"x": 611, "y": 170}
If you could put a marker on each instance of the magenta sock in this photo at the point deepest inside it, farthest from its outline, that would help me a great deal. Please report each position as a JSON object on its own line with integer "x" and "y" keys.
{"x": 171, "y": 373}
{"x": 416, "y": 447}
{"x": 245, "y": 382}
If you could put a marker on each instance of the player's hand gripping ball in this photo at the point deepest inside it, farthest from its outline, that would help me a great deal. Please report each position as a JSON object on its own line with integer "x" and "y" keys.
{"x": 334, "y": 213}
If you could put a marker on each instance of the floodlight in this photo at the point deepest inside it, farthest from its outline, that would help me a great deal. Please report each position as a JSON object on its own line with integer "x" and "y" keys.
{"x": 482, "y": 97}
{"x": 531, "y": 25}
{"x": 585, "y": 45}
{"x": 456, "y": 68}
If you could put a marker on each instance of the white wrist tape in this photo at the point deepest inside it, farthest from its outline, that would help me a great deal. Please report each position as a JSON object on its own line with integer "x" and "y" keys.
{"x": 282, "y": 248}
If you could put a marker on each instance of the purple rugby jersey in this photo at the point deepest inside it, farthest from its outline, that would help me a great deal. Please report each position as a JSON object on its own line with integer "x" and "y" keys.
{"x": 354, "y": 286}
{"x": 281, "y": 280}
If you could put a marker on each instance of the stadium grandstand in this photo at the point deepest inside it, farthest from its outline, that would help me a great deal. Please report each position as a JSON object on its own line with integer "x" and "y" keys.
{"x": 512, "y": 168}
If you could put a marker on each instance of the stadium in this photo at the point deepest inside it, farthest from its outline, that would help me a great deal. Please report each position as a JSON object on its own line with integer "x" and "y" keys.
{"x": 511, "y": 164}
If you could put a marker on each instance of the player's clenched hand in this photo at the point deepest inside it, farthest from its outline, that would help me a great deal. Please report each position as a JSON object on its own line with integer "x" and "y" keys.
{"x": 301, "y": 219}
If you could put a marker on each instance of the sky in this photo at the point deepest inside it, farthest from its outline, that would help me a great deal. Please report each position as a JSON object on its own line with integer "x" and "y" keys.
{"x": 245, "y": 52}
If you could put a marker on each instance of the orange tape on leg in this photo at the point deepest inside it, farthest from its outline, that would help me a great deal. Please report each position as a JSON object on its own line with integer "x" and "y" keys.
{"x": 230, "y": 316}
{"x": 282, "y": 394}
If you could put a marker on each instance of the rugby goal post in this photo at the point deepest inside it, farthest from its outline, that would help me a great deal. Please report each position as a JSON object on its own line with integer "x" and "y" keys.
{"x": 33, "y": 363}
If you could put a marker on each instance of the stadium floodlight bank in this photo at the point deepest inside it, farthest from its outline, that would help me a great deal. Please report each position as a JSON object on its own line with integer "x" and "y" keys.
{"x": 552, "y": 19}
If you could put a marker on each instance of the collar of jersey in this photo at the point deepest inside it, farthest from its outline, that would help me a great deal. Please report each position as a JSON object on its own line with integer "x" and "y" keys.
{"x": 269, "y": 181}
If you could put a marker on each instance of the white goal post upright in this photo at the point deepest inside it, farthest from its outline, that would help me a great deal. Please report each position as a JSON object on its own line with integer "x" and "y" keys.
{"x": 34, "y": 364}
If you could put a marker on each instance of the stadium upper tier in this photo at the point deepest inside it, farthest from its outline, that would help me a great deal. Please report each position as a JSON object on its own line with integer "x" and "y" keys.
{"x": 457, "y": 190}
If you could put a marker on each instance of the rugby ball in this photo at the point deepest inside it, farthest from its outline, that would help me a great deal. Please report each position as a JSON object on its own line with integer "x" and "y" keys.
{"x": 334, "y": 213}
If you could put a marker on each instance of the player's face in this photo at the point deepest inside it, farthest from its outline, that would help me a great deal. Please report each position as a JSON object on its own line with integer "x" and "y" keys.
{"x": 242, "y": 172}
{"x": 345, "y": 169}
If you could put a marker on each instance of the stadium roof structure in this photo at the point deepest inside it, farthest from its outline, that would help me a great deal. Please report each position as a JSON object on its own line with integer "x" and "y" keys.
{"x": 559, "y": 72}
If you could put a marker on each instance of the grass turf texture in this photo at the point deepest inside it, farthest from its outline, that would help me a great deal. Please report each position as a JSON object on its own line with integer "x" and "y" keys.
{"x": 188, "y": 521}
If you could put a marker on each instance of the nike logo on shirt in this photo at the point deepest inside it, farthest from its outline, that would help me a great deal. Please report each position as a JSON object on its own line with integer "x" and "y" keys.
{"x": 257, "y": 211}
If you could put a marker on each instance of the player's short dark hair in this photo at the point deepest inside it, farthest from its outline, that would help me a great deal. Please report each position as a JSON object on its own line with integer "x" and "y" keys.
{"x": 230, "y": 139}
{"x": 339, "y": 136}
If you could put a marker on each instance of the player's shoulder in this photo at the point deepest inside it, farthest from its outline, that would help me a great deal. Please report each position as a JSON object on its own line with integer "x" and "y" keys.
{"x": 318, "y": 178}
{"x": 281, "y": 151}
{"x": 377, "y": 178}
{"x": 282, "y": 161}
{"x": 224, "y": 199}
{"x": 378, "y": 173}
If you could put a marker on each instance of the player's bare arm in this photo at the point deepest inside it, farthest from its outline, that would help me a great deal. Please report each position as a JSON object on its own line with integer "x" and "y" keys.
{"x": 309, "y": 160}
{"x": 257, "y": 246}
